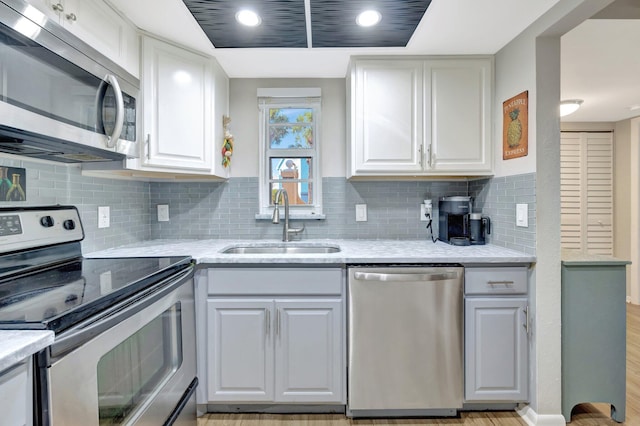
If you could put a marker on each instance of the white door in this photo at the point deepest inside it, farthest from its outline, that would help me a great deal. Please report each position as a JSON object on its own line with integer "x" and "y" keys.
{"x": 387, "y": 117}
{"x": 586, "y": 192}
{"x": 458, "y": 115}
{"x": 177, "y": 103}
{"x": 240, "y": 350}
{"x": 496, "y": 354}
{"x": 309, "y": 342}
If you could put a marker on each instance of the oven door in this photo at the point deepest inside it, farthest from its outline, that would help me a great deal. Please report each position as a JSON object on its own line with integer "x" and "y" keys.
{"x": 139, "y": 369}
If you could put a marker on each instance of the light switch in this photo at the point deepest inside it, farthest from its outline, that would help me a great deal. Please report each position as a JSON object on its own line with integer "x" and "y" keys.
{"x": 163, "y": 212}
{"x": 103, "y": 217}
{"x": 522, "y": 215}
{"x": 361, "y": 212}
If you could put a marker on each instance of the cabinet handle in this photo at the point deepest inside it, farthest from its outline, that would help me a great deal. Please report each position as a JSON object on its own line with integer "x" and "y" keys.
{"x": 71, "y": 17}
{"x": 147, "y": 143}
{"x": 278, "y": 322}
{"x": 267, "y": 323}
{"x": 526, "y": 319}
{"x": 420, "y": 155}
{"x": 432, "y": 156}
{"x": 58, "y": 7}
{"x": 504, "y": 283}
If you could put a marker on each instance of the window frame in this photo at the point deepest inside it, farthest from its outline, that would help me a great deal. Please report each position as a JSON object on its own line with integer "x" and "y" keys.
{"x": 305, "y": 98}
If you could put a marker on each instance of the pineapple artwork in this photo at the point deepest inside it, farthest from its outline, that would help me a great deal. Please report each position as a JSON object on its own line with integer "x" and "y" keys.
{"x": 515, "y": 124}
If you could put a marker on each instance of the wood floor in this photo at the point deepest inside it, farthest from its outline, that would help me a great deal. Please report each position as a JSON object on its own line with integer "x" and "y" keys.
{"x": 583, "y": 415}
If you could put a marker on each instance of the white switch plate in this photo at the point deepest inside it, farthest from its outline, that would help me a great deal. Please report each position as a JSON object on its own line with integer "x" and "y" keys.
{"x": 103, "y": 217}
{"x": 522, "y": 215}
{"x": 163, "y": 212}
{"x": 361, "y": 212}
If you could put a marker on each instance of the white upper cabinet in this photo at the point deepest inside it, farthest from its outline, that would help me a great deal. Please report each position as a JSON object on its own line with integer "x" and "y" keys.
{"x": 95, "y": 23}
{"x": 419, "y": 117}
{"x": 184, "y": 97}
{"x": 387, "y": 117}
{"x": 458, "y": 116}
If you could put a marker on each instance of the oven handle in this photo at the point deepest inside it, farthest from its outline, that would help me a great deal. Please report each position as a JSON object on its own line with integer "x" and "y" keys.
{"x": 86, "y": 331}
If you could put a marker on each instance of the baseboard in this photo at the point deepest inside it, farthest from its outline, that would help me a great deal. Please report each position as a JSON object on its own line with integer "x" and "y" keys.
{"x": 532, "y": 418}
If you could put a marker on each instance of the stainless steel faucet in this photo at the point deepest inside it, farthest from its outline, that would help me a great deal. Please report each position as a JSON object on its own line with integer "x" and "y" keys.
{"x": 276, "y": 215}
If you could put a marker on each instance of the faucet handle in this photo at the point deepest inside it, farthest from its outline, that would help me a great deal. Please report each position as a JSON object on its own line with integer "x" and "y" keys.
{"x": 296, "y": 230}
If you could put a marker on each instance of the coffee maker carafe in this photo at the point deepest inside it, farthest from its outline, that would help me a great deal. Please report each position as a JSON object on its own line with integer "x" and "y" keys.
{"x": 453, "y": 220}
{"x": 479, "y": 226}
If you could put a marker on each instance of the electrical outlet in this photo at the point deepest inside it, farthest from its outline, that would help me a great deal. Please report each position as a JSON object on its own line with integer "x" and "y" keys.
{"x": 361, "y": 212}
{"x": 163, "y": 212}
{"x": 522, "y": 215}
{"x": 423, "y": 213}
{"x": 103, "y": 217}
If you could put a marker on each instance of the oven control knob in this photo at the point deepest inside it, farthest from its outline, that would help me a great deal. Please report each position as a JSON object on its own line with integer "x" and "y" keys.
{"x": 46, "y": 221}
{"x": 69, "y": 224}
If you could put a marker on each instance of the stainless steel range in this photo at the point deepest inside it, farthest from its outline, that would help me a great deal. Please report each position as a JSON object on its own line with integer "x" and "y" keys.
{"x": 124, "y": 349}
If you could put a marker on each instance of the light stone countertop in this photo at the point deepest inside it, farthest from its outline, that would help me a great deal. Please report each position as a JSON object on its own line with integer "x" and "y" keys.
{"x": 351, "y": 252}
{"x": 577, "y": 257}
{"x": 16, "y": 345}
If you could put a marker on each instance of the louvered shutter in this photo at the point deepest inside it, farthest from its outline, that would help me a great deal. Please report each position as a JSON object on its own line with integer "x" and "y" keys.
{"x": 586, "y": 181}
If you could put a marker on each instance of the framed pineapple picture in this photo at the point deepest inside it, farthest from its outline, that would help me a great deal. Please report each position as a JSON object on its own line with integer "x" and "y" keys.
{"x": 515, "y": 126}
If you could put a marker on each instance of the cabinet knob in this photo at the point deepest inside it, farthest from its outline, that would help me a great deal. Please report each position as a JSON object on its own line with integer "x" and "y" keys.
{"x": 58, "y": 7}
{"x": 71, "y": 17}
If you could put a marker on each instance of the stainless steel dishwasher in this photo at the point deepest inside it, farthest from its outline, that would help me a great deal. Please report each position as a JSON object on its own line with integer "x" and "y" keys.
{"x": 405, "y": 341}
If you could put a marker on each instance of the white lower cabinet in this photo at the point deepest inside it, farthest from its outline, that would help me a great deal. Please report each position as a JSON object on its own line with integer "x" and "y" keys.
{"x": 496, "y": 335}
{"x": 496, "y": 349}
{"x": 15, "y": 394}
{"x": 282, "y": 349}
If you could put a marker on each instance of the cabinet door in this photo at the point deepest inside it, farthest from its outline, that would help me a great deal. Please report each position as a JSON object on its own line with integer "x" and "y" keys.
{"x": 95, "y": 23}
{"x": 496, "y": 349}
{"x": 386, "y": 121}
{"x": 15, "y": 394}
{"x": 177, "y": 99}
{"x": 458, "y": 115}
{"x": 309, "y": 348}
{"x": 240, "y": 350}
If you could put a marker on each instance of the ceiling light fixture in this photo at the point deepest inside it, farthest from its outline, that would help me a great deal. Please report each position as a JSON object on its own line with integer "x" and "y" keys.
{"x": 569, "y": 106}
{"x": 248, "y": 17}
{"x": 368, "y": 18}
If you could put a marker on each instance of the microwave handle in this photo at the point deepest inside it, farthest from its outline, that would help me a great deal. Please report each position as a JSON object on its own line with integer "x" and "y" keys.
{"x": 117, "y": 127}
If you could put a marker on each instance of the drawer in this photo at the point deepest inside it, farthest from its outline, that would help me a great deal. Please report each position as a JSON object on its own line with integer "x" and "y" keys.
{"x": 495, "y": 280}
{"x": 275, "y": 281}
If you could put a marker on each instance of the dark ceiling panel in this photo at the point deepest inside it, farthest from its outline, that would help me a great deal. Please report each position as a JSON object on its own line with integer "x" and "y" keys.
{"x": 333, "y": 22}
{"x": 283, "y": 22}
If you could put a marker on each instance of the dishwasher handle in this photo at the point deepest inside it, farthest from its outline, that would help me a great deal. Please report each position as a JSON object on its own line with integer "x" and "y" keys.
{"x": 407, "y": 277}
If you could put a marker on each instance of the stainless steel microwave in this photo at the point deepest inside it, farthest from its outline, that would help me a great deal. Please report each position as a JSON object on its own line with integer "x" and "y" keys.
{"x": 60, "y": 99}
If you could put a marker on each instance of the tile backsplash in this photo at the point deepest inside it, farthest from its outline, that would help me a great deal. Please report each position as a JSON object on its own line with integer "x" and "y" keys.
{"x": 50, "y": 183}
{"x": 497, "y": 198}
{"x": 228, "y": 209}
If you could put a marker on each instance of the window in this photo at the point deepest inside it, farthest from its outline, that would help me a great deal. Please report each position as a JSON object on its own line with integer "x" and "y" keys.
{"x": 289, "y": 150}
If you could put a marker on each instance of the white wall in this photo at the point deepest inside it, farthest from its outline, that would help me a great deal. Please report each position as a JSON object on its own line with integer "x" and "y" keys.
{"x": 532, "y": 62}
{"x": 243, "y": 110}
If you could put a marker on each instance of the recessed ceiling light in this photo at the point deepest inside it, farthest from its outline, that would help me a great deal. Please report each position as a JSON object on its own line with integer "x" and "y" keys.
{"x": 634, "y": 107}
{"x": 569, "y": 106}
{"x": 248, "y": 17}
{"x": 368, "y": 18}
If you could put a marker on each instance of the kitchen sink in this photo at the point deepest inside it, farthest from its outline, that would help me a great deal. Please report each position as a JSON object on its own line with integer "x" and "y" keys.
{"x": 282, "y": 249}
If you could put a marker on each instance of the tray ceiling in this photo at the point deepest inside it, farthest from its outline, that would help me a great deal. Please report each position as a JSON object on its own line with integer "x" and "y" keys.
{"x": 331, "y": 23}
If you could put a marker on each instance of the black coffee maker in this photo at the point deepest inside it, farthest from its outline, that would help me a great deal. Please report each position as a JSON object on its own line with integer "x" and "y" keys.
{"x": 479, "y": 227}
{"x": 453, "y": 220}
